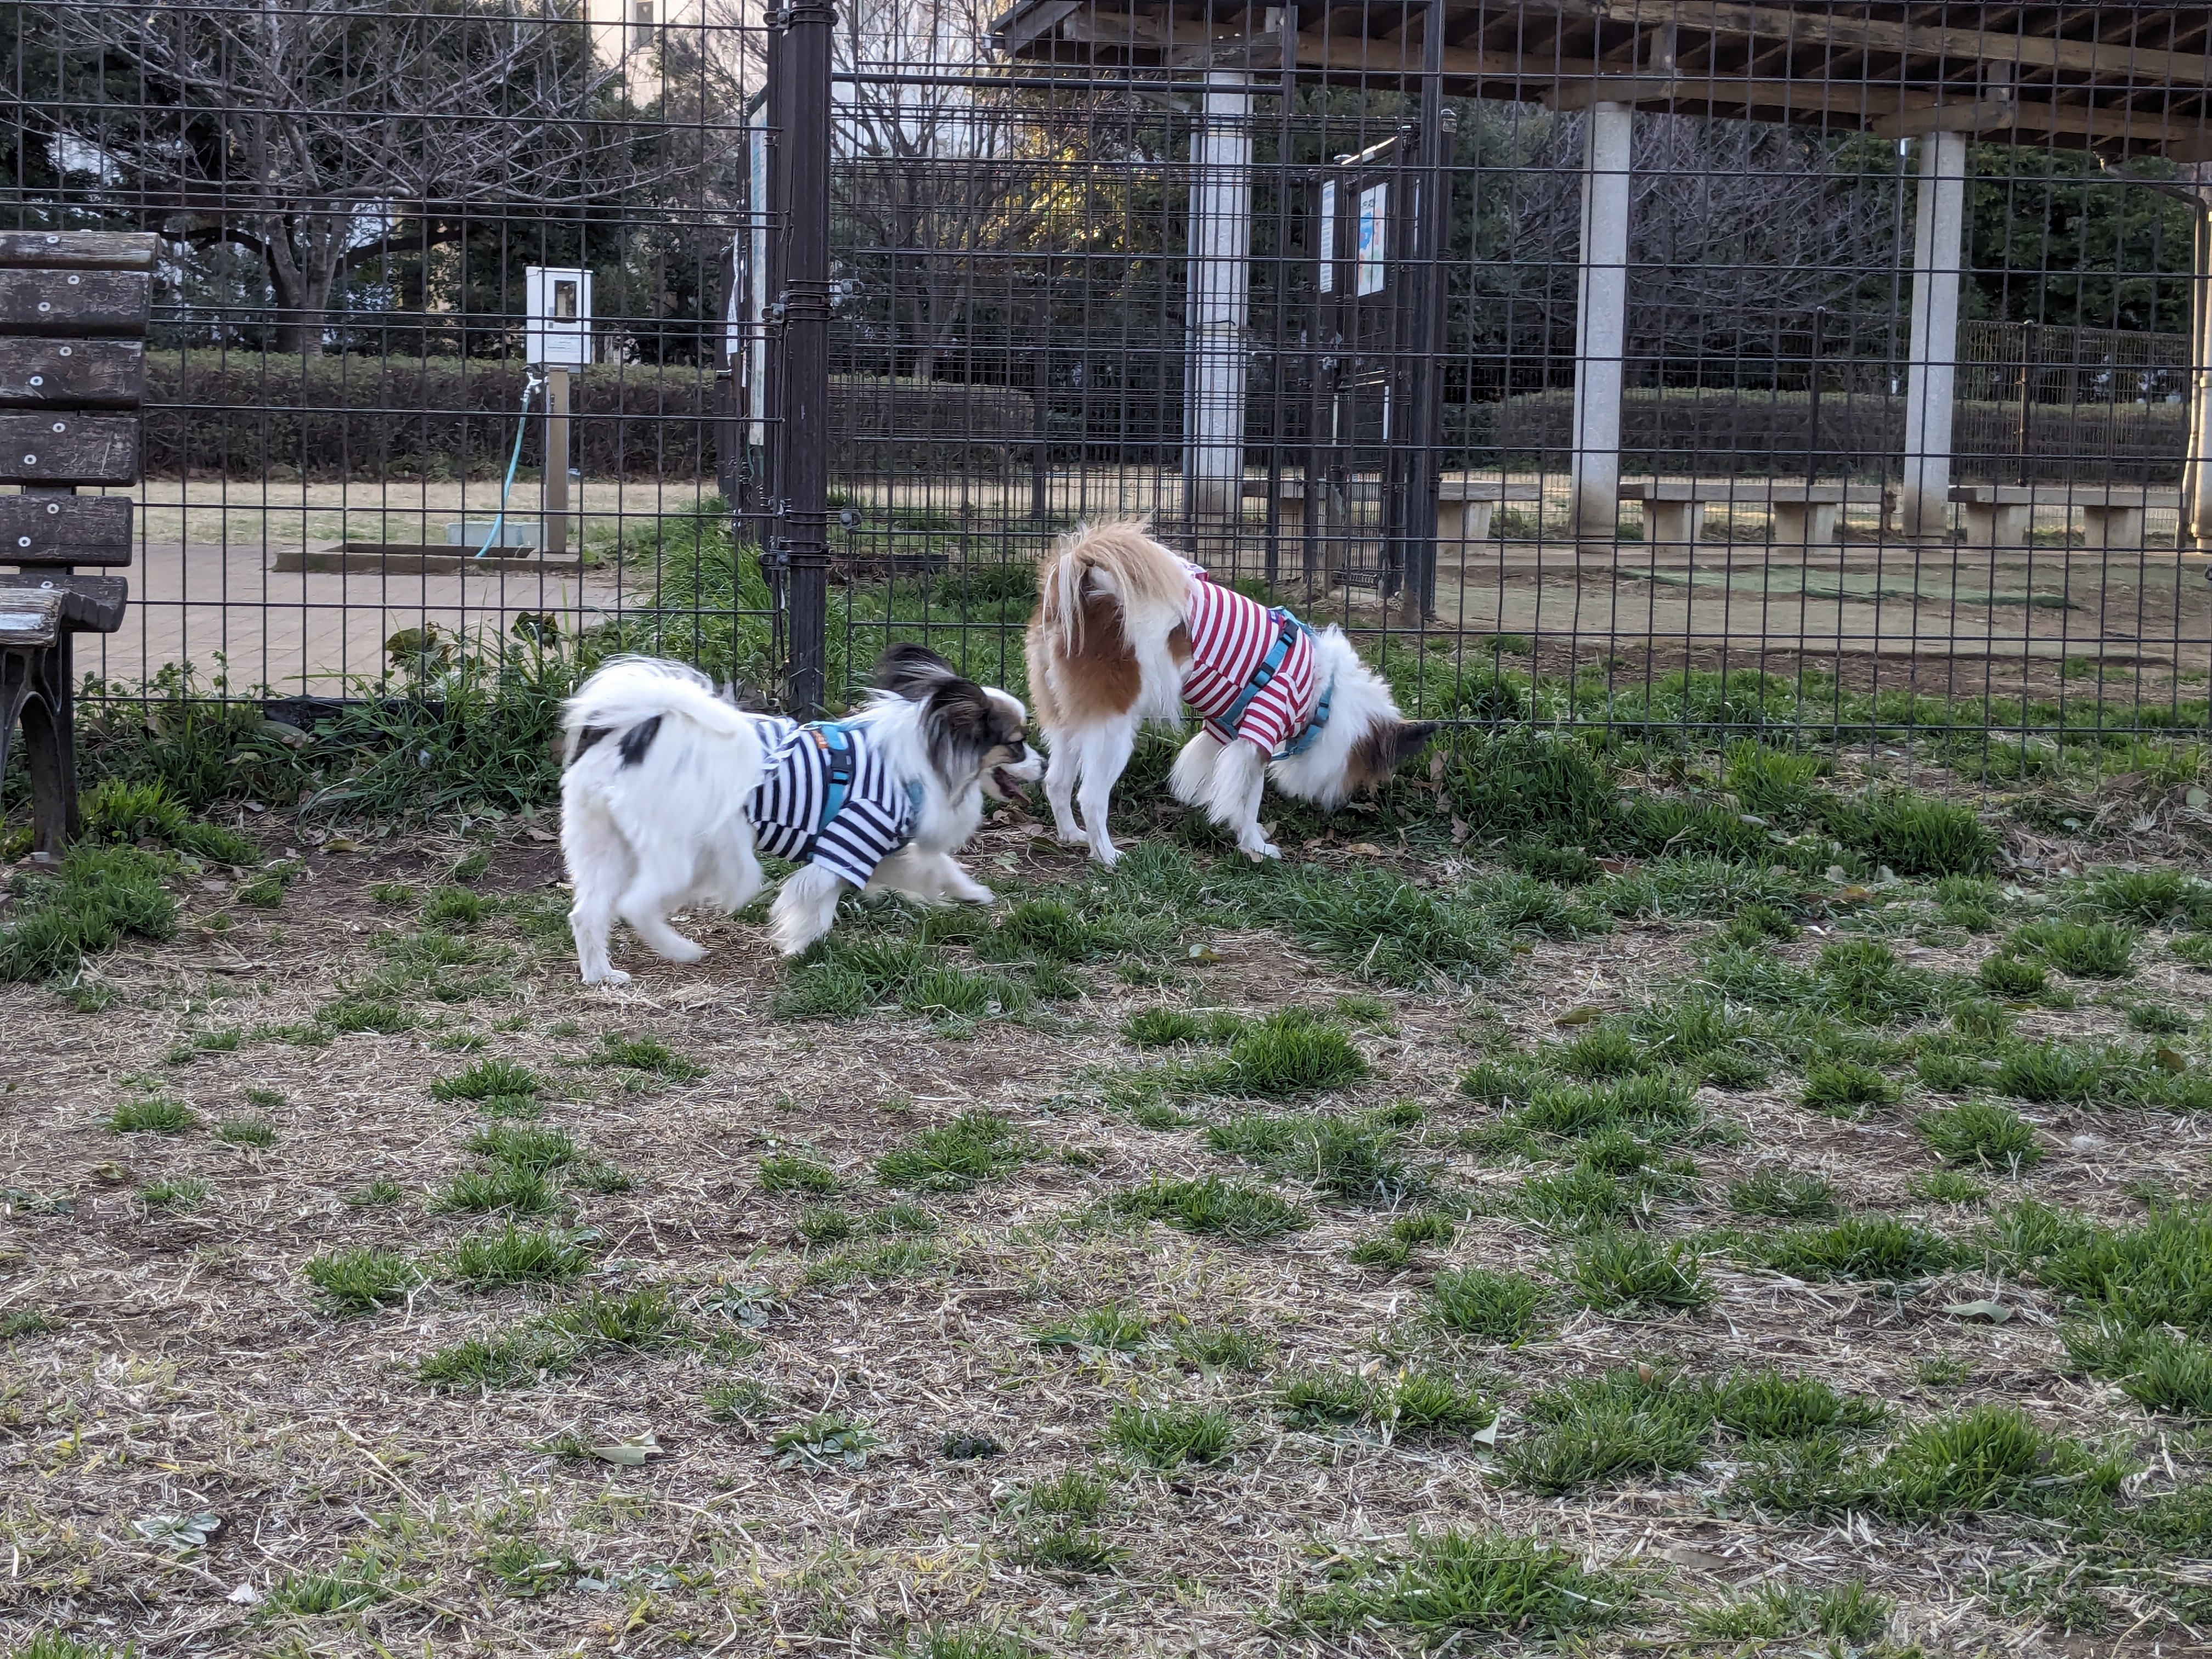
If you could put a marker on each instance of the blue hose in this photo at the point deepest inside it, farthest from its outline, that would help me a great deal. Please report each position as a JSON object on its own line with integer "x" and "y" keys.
{"x": 521, "y": 423}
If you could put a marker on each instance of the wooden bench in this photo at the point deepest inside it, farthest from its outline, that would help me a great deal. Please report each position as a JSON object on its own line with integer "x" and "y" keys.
{"x": 2004, "y": 515}
{"x": 1465, "y": 507}
{"x": 1803, "y": 515}
{"x": 73, "y": 313}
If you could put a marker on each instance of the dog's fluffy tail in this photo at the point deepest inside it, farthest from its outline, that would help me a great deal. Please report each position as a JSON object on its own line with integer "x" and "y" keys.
{"x": 627, "y": 690}
{"x": 1121, "y": 559}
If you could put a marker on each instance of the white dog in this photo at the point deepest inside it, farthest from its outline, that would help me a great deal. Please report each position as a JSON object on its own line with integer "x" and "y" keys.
{"x": 670, "y": 793}
{"x": 1125, "y": 632}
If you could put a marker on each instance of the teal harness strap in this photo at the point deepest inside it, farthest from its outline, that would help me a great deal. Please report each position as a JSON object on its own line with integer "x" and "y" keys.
{"x": 1287, "y": 630}
{"x": 841, "y": 757}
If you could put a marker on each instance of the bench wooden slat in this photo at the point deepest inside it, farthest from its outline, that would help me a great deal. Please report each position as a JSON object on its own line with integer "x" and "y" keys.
{"x": 28, "y": 617}
{"x": 82, "y": 250}
{"x": 73, "y": 373}
{"x": 88, "y": 604}
{"x": 75, "y": 303}
{"x": 64, "y": 530}
{"x": 100, "y": 449}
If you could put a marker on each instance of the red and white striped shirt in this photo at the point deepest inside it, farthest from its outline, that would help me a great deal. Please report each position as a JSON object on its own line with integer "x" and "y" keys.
{"x": 1229, "y": 637}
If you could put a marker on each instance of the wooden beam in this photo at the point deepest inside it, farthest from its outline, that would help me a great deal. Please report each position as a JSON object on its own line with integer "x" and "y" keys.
{"x": 2111, "y": 62}
{"x": 78, "y": 249}
{"x": 1964, "y": 115}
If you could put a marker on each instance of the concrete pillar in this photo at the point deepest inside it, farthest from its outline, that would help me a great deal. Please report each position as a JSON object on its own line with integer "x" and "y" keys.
{"x": 1217, "y": 309}
{"x": 1938, "y": 239}
{"x": 2196, "y": 472}
{"x": 1601, "y": 322}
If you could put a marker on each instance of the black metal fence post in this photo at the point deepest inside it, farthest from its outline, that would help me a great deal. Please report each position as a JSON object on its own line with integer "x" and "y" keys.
{"x": 1438, "y": 124}
{"x": 799, "y": 91}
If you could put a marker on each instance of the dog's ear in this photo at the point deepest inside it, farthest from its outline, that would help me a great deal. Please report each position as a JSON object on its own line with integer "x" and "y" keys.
{"x": 913, "y": 671}
{"x": 1376, "y": 757}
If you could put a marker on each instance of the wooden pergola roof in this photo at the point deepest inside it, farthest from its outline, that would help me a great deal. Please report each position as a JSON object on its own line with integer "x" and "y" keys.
{"x": 2124, "y": 79}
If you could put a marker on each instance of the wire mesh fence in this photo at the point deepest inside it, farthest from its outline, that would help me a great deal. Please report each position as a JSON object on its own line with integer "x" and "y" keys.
{"x": 1737, "y": 365}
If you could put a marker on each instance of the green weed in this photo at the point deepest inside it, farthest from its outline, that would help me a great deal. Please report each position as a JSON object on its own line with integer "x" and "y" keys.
{"x": 1322, "y": 1399}
{"x": 737, "y": 1401}
{"x": 155, "y": 1116}
{"x": 249, "y": 1131}
{"x": 359, "y": 1280}
{"x": 1108, "y": 1329}
{"x": 101, "y": 896}
{"x": 1947, "y": 1187}
{"x": 647, "y": 1054}
{"x": 1165, "y": 1436}
{"x": 487, "y": 1079}
{"x": 1428, "y": 1402}
{"x": 1621, "y": 1272}
{"x": 975, "y": 1147}
{"x": 1844, "y": 1089}
{"x": 1441, "y": 1584}
{"x": 1222, "y": 1348}
{"x": 1913, "y": 835}
{"x": 2102, "y": 950}
{"x": 2158, "y": 1369}
{"x": 1980, "y": 1132}
{"x": 787, "y": 1172}
{"x": 517, "y": 1190}
{"x": 822, "y": 1443}
{"x": 1633, "y": 1420}
{"x": 2150, "y": 898}
{"x": 1850, "y": 1613}
{"x": 1878, "y": 1247}
{"x": 515, "y": 1255}
{"x": 1771, "y": 1406}
{"x": 173, "y": 1195}
{"x": 1239, "y": 1213}
{"x": 1773, "y": 1191}
{"x": 541, "y": 1150}
{"x": 1505, "y": 1308}
{"x": 1989, "y": 1457}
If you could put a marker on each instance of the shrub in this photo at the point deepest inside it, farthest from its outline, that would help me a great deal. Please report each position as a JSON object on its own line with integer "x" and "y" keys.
{"x": 1980, "y": 1132}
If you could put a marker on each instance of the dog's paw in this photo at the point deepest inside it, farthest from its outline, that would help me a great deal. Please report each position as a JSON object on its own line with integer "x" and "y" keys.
{"x": 1110, "y": 855}
{"x": 973, "y": 892}
{"x": 607, "y": 976}
{"x": 1071, "y": 837}
{"x": 1265, "y": 850}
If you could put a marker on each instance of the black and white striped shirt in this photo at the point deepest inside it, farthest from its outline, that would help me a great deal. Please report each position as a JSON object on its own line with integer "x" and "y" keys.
{"x": 785, "y": 809}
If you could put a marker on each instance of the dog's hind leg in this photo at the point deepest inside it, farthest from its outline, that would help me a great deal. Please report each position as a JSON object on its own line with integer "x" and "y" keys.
{"x": 1063, "y": 768}
{"x": 658, "y": 889}
{"x": 1191, "y": 780}
{"x": 1239, "y": 776}
{"x": 1103, "y": 751}
{"x": 600, "y": 866}
{"x": 805, "y": 909}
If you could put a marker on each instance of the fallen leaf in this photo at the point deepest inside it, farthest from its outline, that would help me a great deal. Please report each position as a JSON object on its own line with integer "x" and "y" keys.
{"x": 2170, "y": 1060}
{"x": 2197, "y": 797}
{"x": 245, "y": 1596}
{"x": 1582, "y": 1015}
{"x": 631, "y": 1454}
{"x": 186, "y": 1531}
{"x": 1204, "y": 953}
{"x": 1365, "y": 849}
{"x": 1682, "y": 1555}
{"x": 1995, "y": 1312}
{"x": 1459, "y": 831}
{"x": 341, "y": 844}
{"x": 1486, "y": 1437}
{"x": 540, "y": 835}
{"x": 1853, "y": 895}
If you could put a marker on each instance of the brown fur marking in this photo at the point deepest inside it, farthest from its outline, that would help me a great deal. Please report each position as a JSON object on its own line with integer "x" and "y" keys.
{"x": 1179, "y": 644}
{"x": 1375, "y": 758}
{"x": 1100, "y": 678}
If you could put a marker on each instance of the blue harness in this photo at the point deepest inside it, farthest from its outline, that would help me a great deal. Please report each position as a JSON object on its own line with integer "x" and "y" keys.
{"x": 835, "y": 739}
{"x": 1287, "y": 630}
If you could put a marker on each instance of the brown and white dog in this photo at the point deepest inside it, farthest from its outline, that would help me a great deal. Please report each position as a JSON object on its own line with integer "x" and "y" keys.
{"x": 1125, "y": 632}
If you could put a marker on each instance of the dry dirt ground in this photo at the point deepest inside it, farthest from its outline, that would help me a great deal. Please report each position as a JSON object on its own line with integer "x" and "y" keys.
{"x": 198, "y": 1454}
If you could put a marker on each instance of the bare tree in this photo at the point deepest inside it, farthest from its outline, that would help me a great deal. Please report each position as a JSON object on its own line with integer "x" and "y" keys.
{"x": 323, "y": 136}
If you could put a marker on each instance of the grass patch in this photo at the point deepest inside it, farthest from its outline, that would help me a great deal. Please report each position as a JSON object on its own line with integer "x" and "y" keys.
{"x": 102, "y": 895}
{"x": 1222, "y": 1348}
{"x": 1166, "y": 1437}
{"x": 1947, "y": 1187}
{"x": 1843, "y": 1088}
{"x": 1849, "y": 1613}
{"x": 1773, "y": 1191}
{"x": 1989, "y": 1457}
{"x": 2157, "y": 1368}
{"x": 524, "y": 1148}
{"x": 2155, "y": 1275}
{"x": 2150, "y": 898}
{"x": 738, "y": 1400}
{"x": 248, "y": 1131}
{"x": 2100, "y": 950}
{"x": 360, "y": 1281}
{"x": 975, "y": 1147}
{"x": 1441, "y": 1586}
{"x": 1499, "y": 1306}
{"x": 1109, "y": 1329}
{"x": 487, "y": 1079}
{"x": 173, "y": 1195}
{"x": 1914, "y": 835}
{"x": 1239, "y": 1213}
{"x": 154, "y": 1116}
{"x": 1877, "y": 1248}
{"x": 647, "y": 1054}
{"x": 517, "y": 1255}
{"x": 787, "y": 1172}
{"x": 1350, "y": 1158}
{"x": 1633, "y": 1420}
{"x": 1980, "y": 1132}
{"x": 1381, "y": 928}
{"x": 506, "y": 1187}
{"x": 1624, "y": 1272}
{"x": 1291, "y": 1053}
{"x": 1773, "y": 1405}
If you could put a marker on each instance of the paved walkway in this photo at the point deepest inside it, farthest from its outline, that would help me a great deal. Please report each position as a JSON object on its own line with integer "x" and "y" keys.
{"x": 306, "y": 632}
